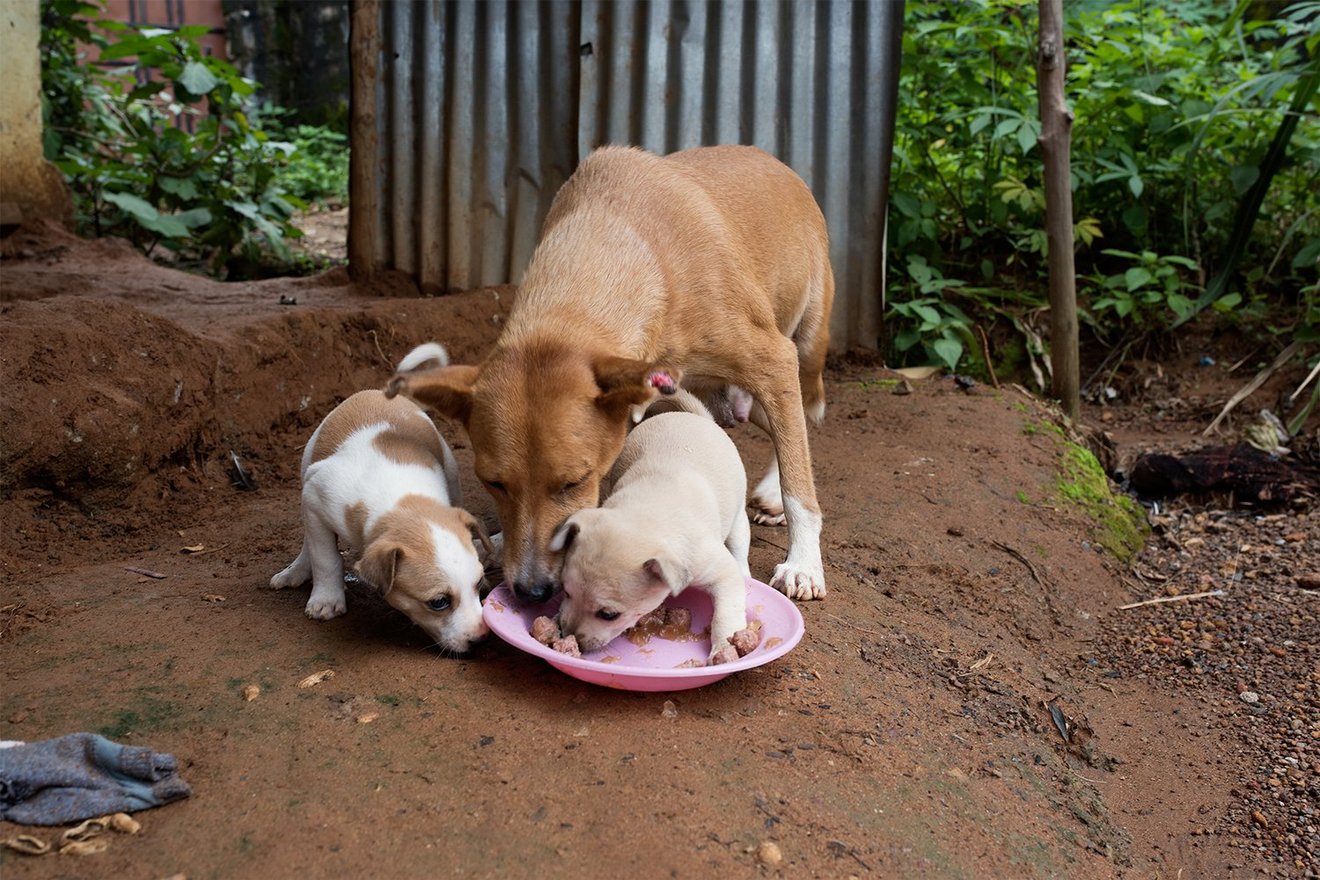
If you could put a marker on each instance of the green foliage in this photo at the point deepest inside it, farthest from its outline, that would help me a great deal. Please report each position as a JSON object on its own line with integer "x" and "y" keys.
{"x": 316, "y": 167}
{"x": 156, "y": 142}
{"x": 1174, "y": 105}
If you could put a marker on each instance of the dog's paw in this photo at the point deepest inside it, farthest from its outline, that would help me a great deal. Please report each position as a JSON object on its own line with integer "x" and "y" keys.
{"x": 326, "y": 607}
{"x": 797, "y": 583}
{"x": 286, "y": 578}
{"x": 764, "y": 517}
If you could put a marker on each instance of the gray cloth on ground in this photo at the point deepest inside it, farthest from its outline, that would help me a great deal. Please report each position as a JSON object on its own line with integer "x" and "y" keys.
{"x": 82, "y": 775}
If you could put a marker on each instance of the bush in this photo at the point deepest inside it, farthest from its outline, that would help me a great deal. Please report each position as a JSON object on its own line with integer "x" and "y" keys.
{"x": 162, "y": 151}
{"x": 1174, "y": 104}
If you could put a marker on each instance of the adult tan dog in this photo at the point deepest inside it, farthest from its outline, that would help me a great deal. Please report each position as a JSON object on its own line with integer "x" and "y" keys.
{"x": 712, "y": 264}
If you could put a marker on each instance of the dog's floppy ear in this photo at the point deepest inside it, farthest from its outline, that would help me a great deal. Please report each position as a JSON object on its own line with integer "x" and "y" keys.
{"x": 447, "y": 390}
{"x": 669, "y": 571}
{"x": 478, "y": 531}
{"x": 378, "y": 564}
{"x": 626, "y": 383}
{"x": 563, "y": 536}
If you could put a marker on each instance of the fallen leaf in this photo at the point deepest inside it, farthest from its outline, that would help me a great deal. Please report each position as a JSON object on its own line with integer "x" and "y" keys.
{"x": 213, "y": 597}
{"x": 316, "y": 678}
{"x": 84, "y": 848}
{"x": 918, "y": 373}
{"x": 195, "y": 548}
{"x": 124, "y": 823}
{"x": 252, "y": 691}
{"x": 367, "y": 717}
{"x": 27, "y": 845}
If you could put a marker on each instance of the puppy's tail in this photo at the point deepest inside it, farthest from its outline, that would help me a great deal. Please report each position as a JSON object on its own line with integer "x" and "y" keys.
{"x": 428, "y": 354}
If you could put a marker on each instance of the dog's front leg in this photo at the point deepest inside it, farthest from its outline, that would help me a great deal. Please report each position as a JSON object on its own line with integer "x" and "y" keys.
{"x": 728, "y": 595}
{"x": 801, "y": 575}
{"x": 327, "y": 599}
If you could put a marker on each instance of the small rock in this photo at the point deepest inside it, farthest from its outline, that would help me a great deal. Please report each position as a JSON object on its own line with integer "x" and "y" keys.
{"x": 1249, "y": 697}
{"x": 768, "y": 854}
{"x": 251, "y": 692}
{"x": 1310, "y": 581}
{"x": 669, "y": 710}
{"x": 1259, "y": 818}
{"x": 903, "y": 387}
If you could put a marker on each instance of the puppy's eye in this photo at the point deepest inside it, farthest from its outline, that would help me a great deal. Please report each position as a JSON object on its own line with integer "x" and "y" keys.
{"x": 607, "y": 615}
{"x": 439, "y": 603}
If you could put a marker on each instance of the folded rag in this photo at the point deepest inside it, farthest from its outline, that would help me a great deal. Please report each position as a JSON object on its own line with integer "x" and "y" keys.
{"x": 80, "y": 775}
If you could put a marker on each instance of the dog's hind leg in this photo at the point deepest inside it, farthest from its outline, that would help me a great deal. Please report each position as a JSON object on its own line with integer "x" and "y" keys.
{"x": 296, "y": 573}
{"x": 739, "y": 541}
{"x": 812, "y": 338}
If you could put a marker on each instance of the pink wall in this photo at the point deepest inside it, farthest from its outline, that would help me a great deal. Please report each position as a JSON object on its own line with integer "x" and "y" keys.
{"x": 173, "y": 14}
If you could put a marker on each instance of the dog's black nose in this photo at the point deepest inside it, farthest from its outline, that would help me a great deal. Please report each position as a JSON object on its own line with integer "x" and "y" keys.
{"x": 537, "y": 592}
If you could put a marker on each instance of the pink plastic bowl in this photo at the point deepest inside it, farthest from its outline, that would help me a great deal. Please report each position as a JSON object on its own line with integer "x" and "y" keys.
{"x": 651, "y": 667}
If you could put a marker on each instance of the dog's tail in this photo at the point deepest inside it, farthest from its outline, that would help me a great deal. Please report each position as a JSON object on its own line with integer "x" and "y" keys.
{"x": 428, "y": 354}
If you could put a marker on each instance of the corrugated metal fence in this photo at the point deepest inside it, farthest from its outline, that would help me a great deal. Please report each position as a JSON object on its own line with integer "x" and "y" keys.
{"x": 468, "y": 116}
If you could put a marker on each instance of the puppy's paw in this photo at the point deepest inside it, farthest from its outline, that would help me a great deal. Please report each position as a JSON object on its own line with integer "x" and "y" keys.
{"x": 798, "y": 583}
{"x": 326, "y": 607}
{"x": 287, "y": 578}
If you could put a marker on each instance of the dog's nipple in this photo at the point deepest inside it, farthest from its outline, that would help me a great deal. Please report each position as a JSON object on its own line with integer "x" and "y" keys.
{"x": 661, "y": 381}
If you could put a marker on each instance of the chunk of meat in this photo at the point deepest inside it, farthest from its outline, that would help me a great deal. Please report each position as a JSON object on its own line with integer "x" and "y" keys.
{"x": 727, "y": 654}
{"x": 545, "y": 630}
{"x": 567, "y": 645}
{"x": 744, "y": 641}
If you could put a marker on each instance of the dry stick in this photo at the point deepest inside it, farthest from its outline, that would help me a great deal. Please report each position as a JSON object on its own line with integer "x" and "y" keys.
{"x": 985, "y": 350}
{"x": 869, "y": 632}
{"x": 1163, "y": 600}
{"x": 1300, "y": 388}
{"x": 1250, "y": 388}
{"x": 145, "y": 572}
{"x": 378, "y": 351}
{"x": 1020, "y": 558}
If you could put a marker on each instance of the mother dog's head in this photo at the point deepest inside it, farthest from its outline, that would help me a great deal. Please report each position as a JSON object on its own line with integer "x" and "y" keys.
{"x": 546, "y": 423}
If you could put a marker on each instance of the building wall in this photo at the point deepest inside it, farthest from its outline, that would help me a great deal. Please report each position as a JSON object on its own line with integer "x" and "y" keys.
{"x": 30, "y": 187}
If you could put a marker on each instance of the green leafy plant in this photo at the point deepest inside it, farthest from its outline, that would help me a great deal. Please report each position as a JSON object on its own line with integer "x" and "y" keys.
{"x": 936, "y": 327}
{"x": 1148, "y": 288}
{"x": 316, "y": 162}
{"x": 160, "y": 149}
{"x": 1177, "y": 108}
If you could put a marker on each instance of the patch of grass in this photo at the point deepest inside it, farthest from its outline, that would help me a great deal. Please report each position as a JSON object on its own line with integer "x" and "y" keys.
{"x": 871, "y": 384}
{"x": 1120, "y": 522}
{"x": 387, "y": 699}
{"x": 1022, "y": 497}
{"x": 151, "y": 713}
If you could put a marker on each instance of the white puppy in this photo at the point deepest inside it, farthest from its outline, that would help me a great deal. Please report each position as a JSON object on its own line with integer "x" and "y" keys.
{"x": 378, "y": 475}
{"x": 676, "y": 518}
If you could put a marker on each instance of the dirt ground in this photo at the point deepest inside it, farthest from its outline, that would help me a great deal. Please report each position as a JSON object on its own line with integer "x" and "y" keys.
{"x": 917, "y": 731}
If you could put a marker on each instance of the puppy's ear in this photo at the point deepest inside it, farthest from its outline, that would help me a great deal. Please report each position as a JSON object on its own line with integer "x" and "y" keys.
{"x": 378, "y": 564}
{"x": 625, "y": 383}
{"x": 563, "y": 536}
{"x": 478, "y": 531}
{"x": 670, "y": 572}
{"x": 446, "y": 390}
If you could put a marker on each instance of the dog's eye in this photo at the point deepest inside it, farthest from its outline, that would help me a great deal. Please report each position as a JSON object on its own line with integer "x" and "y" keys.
{"x": 494, "y": 485}
{"x": 439, "y": 603}
{"x": 607, "y": 615}
{"x": 569, "y": 487}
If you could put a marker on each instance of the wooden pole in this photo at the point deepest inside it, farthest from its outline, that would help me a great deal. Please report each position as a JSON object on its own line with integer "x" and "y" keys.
{"x": 364, "y": 155}
{"x": 1055, "y": 148}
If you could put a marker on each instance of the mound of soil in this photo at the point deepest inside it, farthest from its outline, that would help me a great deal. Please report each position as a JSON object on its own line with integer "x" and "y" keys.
{"x": 950, "y": 711}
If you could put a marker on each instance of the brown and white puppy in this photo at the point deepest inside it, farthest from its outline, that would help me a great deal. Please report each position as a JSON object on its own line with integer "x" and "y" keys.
{"x": 378, "y": 475}
{"x": 711, "y": 263}
{"x": 675, "y": 518}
